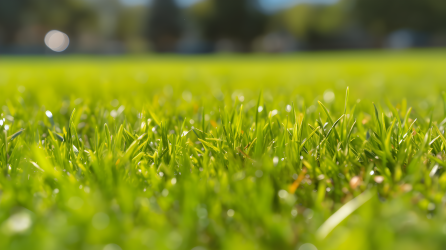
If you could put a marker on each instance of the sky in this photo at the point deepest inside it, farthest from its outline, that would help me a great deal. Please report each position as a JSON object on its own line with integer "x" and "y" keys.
{"x": 182, "y": 3}
{"x": 274, "y": 5}
{"x": 268, "y": 5}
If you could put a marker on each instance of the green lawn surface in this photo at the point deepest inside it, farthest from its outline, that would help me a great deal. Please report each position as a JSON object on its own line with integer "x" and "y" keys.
{"x": 324, "y": 150}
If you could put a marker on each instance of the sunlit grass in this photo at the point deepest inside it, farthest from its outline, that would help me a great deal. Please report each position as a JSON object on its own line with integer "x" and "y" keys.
{"x": 224, "y": 152}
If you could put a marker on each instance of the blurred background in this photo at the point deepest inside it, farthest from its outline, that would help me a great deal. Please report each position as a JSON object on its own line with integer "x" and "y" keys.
{"x": 212, "y": 26}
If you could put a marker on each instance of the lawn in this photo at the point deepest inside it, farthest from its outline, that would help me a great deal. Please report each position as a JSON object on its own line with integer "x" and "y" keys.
{"x": 326, "y": 150}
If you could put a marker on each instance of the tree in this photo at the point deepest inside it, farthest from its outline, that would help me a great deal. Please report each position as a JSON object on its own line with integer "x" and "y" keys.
{"x": 11, "y": 14}
{"x": 315, "y": 26}
{"x": 384, "y": 16}
{"x": 68, "y": 16}
{"x": 240, "y": 21}
{"x": 164, "y": 27}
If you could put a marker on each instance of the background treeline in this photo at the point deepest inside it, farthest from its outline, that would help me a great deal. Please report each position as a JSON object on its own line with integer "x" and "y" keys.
{"x": 114, "y": 26}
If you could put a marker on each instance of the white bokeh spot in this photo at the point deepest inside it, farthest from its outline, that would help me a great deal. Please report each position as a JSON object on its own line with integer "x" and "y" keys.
{"x": 57, "y": 40}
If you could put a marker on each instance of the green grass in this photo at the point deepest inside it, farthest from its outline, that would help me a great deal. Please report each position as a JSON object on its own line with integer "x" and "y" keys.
{"x": 224, "y": 152}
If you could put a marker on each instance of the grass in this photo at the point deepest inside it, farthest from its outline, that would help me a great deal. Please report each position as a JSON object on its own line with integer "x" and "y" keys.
{"x": 224, "y": 152}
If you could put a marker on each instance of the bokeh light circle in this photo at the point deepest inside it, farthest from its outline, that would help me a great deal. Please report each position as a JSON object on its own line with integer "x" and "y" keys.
{"x": 57, "y": 40}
